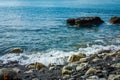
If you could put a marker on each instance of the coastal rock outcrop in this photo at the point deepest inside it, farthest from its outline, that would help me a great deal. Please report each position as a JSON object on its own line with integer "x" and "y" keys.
{"x": 115, "y": 20}
{"x": 85, "y": 21}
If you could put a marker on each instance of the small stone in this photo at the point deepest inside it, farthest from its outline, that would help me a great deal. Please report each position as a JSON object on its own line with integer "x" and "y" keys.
{"x": 51, "y": 68}
{"x": 30, "y": 66}
{"x": 82, "y": 66}
{"x": 82, "y": 60}
{"x": 66, "y": 76}
{"x": 96, "y": 60}
{"x": 91, "y": 71}
{"x": 64, "y": 71}
{"x": 29, "y": 71}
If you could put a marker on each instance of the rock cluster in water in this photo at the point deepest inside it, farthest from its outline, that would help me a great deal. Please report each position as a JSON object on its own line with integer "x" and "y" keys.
{"x": 85, "y": 21}
{"x": 90, "y": 21}
{"x": 104, "y": 65}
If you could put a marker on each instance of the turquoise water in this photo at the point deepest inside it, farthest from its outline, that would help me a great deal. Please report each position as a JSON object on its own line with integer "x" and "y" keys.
{"x": 40, "y": 29}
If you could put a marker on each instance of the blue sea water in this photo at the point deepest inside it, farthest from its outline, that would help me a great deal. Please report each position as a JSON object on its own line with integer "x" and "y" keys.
{"x": 44, "y": 29}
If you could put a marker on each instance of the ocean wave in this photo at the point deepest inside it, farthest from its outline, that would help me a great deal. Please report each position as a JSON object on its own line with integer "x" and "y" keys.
{"x": 53, "y": 56}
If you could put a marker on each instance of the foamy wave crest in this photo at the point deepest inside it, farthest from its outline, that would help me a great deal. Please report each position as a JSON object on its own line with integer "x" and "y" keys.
{"x": 53, "y": 56}
{"x": 107, "y": 23}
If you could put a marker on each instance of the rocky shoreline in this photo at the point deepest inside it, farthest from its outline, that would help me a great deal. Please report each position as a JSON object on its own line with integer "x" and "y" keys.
{"x": 104, "y": 65}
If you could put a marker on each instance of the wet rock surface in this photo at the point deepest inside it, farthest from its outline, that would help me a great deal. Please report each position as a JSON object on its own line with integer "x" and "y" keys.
{"x": 104, "y": 65}
{"x": 115, "y": 20}
{"x": 85, "y": 21}
{"x": 15, "y": 50}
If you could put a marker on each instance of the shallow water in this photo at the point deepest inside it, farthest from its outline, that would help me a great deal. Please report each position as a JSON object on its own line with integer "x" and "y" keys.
{"x": 43, "y": 29}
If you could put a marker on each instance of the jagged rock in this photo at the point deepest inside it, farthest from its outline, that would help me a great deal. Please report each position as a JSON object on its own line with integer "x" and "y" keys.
{"x": 15, "y": 50}
{"x": 39, "y": 66}
{"x": 8, "y": 74}
{"x": 85, "y": 21}
{"x": 77, "y": 57}
{"x": 115, "y": 20}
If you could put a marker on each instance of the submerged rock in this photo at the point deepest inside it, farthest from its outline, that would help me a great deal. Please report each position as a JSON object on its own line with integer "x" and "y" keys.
{"x": 115, "y": 20}
{"x": 16, "y": 50}
{"x": 85, "y": 21}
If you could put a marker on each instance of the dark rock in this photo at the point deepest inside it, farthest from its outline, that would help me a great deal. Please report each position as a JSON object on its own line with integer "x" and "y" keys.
{"x": 115, "y": 20}
{"x": 71, "y": 21}
{"x": 88, "y": 21}
{"x": 8, "y": 74}
{"x": 85, "y": 21}
{"x": 15, "y": 50}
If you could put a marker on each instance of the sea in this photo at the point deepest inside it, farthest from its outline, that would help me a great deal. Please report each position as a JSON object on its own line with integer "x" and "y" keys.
{"x": 41, "y": 31}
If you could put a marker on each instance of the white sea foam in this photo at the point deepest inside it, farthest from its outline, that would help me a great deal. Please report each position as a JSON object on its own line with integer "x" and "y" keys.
{"x": 53, "y": 56}
{"x": 107, "y": 23}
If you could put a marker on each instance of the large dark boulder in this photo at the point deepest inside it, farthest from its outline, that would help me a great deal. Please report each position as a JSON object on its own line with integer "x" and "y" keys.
{"x": 115, "y": 20}
{"x": 85, "y": 21}
{"x": 71, "y": 21}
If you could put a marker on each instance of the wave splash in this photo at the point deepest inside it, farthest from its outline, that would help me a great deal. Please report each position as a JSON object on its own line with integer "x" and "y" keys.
{"x": 53, "y": 56}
